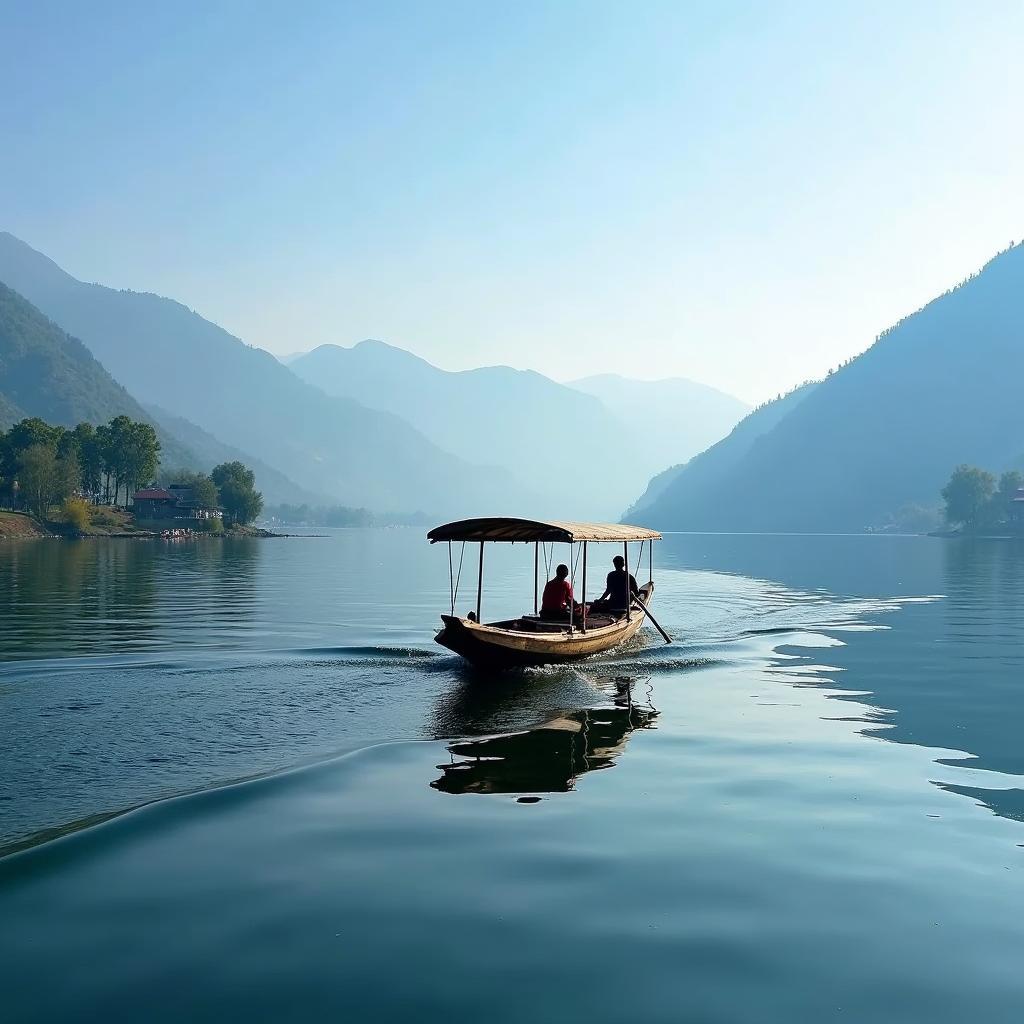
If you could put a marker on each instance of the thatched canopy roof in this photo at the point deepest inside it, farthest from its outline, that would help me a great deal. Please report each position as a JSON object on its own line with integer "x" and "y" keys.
{"x": 502, "y": 528}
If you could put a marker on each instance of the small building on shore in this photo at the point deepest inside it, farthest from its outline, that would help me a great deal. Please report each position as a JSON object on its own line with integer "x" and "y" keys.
{"x": 154, "y": 503}
{"x": 1017, "y": 508}
{"x": 176, "y": 502}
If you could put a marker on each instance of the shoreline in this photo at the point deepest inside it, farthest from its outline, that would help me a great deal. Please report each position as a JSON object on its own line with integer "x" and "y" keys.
{"x": 19, "y": 526}
{"x": 975, "y": 535}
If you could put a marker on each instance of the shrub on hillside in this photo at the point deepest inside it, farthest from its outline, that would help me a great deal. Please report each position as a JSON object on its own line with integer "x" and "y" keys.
{"x": 75, "y": 512}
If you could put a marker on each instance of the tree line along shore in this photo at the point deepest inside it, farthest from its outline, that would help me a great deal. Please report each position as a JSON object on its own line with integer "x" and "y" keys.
{"x": 978, "y": 503}
{"x": 106, "y": 480}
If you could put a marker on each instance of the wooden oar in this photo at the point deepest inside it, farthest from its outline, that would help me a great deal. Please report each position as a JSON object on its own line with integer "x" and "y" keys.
{"x": 637, "y": 603}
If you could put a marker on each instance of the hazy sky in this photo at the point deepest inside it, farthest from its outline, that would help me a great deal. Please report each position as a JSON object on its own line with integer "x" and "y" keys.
{"x": 743, "y": 194}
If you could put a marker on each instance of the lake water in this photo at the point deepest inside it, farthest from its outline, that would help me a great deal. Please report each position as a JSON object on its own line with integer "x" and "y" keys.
{"x": 809, "y": 807}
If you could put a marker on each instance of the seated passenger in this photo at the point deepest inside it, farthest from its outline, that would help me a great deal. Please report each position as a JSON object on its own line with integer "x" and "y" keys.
{"x": 558, "y": 600}
{"x": 619, "y": 588}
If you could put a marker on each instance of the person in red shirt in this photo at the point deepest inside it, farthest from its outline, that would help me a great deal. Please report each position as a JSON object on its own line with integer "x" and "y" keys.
{"x": 558, "y": 600}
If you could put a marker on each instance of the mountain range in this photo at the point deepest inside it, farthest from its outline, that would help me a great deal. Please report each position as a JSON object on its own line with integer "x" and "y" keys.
{"x": 168, "y": 356}
{"x": 942, "y": 387}
{"x": 576, "y": 448}
{"x": 372, "y": 425}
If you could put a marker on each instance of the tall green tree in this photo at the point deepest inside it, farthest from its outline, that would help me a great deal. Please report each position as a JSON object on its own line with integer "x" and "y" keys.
{"x": 999, "y": 507}
{"x": 105, "y": 454}
{"x": 7, "y": 470}
{"x": 37, "y": 476}
{"x": 90, "y": 462}
{"x": 46, "y": 478}
{"x": 33, "y": 436}
{"x": 142, "y": 456}
{"x": 129, "y": 453}
{"x": 236, "y": 484}
{"x": 968, "y": 495}
{"x": 69, "y": 476}
{"x": 116, "y": 445}
{"x": 1009, "y": 484}
{"x": 26, "y": 433}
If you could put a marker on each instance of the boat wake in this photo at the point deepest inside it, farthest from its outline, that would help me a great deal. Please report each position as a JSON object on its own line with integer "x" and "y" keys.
{"x": 370, "y": 655}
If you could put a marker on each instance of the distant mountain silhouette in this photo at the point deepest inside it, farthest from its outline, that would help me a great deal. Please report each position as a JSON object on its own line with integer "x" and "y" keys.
{"x": 681, "y": 417}
{"x": 45, "y": 372}
{"x": 942, "y": 387}
{"x": 585, "y": 457}
{"x": 562, "y": 441}
{"x": 169, "y": 356}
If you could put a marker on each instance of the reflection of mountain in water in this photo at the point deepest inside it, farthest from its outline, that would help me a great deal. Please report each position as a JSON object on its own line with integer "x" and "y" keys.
{"x": 548, "y": 758}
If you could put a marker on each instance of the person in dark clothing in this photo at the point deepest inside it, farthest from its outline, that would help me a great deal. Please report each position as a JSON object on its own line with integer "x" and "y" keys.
{"x": 558, "y": 600}
{"x": 619, "y": 588}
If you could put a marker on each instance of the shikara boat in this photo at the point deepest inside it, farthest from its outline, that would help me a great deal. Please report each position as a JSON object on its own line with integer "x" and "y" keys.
{"x": 529, "y": 639}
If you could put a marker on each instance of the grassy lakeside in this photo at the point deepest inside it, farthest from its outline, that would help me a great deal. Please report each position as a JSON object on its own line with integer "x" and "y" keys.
{"x": 20, "y": 525}
{"x": 108, "y": 521}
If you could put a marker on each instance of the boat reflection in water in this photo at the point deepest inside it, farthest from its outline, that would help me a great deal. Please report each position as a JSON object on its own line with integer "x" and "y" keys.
{"x": 549, "y": 757}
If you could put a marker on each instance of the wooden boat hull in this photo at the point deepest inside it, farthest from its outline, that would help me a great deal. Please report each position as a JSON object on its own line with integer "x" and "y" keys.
{"x": 494, "y": 646}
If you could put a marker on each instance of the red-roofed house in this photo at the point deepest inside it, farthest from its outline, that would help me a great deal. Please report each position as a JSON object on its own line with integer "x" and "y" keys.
{"x": 176, "y": 501}
{"x": 154, "y": 503}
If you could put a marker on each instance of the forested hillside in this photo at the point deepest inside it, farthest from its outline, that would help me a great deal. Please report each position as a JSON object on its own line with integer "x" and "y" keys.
{"x": 45, "y": 372}
{"x": 9, "y": 412}
{"x": 940, "y": 388}
{"x": 167, "y": 355}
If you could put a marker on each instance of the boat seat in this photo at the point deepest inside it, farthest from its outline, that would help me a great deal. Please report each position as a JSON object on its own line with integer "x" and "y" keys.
{"x": 536, "y": 623}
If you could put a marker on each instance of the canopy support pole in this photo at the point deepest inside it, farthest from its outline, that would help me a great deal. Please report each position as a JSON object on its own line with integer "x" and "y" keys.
{"x": 650, "y": 562}
{"x": 583, "y": 592}
{"x": 629, "y": 593}
{"x": 536, "y": 575}
{"x": 571, "y": 601}
{"x": 480, "y": 581}
{"x": 451, "y": 577}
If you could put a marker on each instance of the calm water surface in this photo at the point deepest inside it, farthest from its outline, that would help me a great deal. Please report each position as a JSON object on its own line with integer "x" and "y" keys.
{"x": 809, "y": 807}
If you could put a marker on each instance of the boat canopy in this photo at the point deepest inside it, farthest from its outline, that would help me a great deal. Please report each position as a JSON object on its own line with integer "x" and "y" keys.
{"x": 502, "y": 528}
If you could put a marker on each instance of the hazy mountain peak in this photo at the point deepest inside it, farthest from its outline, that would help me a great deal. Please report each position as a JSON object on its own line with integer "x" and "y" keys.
{"x": 676, "y": 387}
{"x": 11, "y": 245}
{"x": 377, "y": 344}
{"x": 526, "y": 422}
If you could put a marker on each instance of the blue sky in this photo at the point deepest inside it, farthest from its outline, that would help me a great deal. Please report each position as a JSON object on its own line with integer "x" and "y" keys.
{"x": 740, "y": 193}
